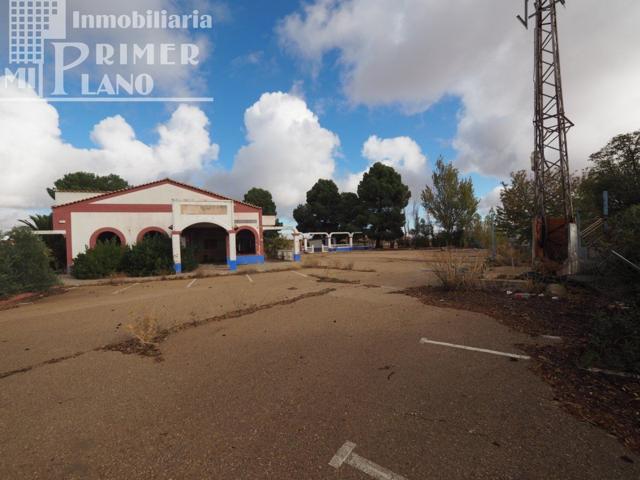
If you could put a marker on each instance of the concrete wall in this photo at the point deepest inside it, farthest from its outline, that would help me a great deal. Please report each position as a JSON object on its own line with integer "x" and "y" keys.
{"x": 159, "y": 194}
{"x": 84, "y": 224}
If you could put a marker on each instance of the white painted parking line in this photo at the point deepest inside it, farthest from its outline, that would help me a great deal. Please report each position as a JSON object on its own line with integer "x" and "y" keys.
{"x": 346, "y": 455}
{"x": 552, "y": 337}
{"x": 613, "y": 372}
{"x": 474, "y": 349}
{"x": 249, "y": 278}
{"x": 192, "y": 282}
{"x": 125, "y": 288}
{"x": 301, "y": 274}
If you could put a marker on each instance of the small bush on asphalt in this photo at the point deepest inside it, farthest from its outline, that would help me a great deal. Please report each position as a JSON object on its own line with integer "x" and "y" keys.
{"x": 24, "y": 263}
{"x": 614, "y": 340}
{"x": 99, "y": 262}
{"x": 145, "y": 330}
{"x": 149, "y": 257}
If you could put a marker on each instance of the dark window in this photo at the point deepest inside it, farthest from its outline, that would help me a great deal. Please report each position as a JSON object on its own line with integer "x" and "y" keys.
{"x": 246, "y": 243}
{"x": 108, "y": 237}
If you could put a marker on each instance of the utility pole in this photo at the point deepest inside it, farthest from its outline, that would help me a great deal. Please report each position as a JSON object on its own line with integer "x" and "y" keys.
{"x": 555, "y": 237}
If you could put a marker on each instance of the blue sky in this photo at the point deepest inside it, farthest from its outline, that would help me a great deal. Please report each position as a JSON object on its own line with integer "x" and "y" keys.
{"x": 236, "y": 83}
{"x": 377, "y": 73}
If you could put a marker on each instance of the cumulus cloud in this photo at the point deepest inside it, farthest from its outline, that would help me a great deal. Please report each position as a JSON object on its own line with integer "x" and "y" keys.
{"x": 401, "y": 153}
{"x": 34, "y": 155}
{"x": 287, "y": 151}
{"x": 412, "y": 53}
{"x": 490, "y": 200}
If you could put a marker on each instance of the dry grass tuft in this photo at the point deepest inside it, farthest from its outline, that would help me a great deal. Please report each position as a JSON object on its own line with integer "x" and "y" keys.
{"x": 311, "y": 262}
{"x": 457, "y": 273}
{"x": 338, "y": 265}
{"x": 146, "y": 330}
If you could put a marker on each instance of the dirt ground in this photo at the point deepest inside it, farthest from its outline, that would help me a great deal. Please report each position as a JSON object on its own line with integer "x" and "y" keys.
{"x": 267, "y": 375}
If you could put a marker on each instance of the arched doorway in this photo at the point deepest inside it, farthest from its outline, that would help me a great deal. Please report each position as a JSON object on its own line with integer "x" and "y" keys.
{"x": 208, "y": 241}
{"x": 246, "y": 242}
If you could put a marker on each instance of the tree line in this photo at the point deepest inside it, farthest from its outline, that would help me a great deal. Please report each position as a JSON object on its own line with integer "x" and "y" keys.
{"x": 447, "y": 211}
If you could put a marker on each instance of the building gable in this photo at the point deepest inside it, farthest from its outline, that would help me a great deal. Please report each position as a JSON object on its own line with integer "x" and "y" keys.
{"x": 163, "y": 194}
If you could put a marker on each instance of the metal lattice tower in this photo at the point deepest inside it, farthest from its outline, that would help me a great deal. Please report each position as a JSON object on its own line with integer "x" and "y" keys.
{"x": 550, "y": 160}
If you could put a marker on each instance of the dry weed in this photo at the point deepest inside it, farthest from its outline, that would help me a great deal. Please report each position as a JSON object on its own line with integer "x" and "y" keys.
{"x": 457, "y": 273}
{"x": 311, "y": 262}
{"x": 145, "y": 330}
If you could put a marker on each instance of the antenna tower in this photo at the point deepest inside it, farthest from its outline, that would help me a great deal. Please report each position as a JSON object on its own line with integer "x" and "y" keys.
{"x": 550, "y": 158}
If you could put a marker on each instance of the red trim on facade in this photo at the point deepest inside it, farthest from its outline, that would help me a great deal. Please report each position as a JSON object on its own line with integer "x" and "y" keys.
{"x": 256, "y": 236}
{"x": 240, "y": 207}
{"x": 66, "y": 216}
{"x": 261, "y": 231}
{"x": 145, "y": 186}
{"x": 122, "y": 208}
{"x": 97, "y": 233}
{"x": 148, "y": 230}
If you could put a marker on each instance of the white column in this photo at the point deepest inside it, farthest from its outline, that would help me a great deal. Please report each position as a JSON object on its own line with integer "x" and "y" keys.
{"x": 232, "y": 260}
{"x": 306, "y": 243}
{"x": 351, "y": 241}
{"x": 296, "y": 248}
{"x": 177, "y": 255}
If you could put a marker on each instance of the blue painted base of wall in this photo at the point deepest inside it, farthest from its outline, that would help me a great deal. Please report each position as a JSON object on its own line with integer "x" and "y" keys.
{"x": 361, "y": 247}
{"x": 340, "y": 249}
{"x": 250, "y": 259}
{"x": 178, "y": 267}
{"x": 297, "y": 258}
{"x": 233, "y": 265}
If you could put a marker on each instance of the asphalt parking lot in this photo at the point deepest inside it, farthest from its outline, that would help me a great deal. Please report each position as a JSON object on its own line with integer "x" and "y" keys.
{"x": 272, "y": 374}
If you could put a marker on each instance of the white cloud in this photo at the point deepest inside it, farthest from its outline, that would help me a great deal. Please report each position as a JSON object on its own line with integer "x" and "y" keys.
{"x": 287, "y": 151}
{"x": 490, "y": 200}
{"x": 401, "y": 153}
{"x": 412, "y": 53}
{"x": 33, "y": 154}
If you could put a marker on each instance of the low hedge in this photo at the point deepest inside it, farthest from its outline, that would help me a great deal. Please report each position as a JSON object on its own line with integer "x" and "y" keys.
{"x": 25, "y": 263}
{"x": 150, "y": 257}
{"x": 100, "y": 261}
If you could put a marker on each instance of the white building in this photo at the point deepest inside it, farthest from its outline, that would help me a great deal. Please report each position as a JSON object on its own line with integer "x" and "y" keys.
{"x": 220, "y": 229}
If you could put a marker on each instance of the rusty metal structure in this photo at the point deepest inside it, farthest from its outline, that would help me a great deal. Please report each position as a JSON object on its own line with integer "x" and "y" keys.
{"x": 550, "y": 158}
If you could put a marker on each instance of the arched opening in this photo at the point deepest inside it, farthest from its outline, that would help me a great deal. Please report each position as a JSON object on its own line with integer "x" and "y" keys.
{"x": 107, "y": 235}
{"x": 340, "y": 240}
{"x": 151, "y": 232}
{"x": 245, "y": 242}
{"x": 208, "y": 241}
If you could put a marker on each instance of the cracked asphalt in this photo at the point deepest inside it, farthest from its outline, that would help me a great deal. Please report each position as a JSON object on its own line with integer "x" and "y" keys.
{"x": 275, "y": 393}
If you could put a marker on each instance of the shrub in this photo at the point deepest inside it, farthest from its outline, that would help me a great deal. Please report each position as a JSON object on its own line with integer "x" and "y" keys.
{"x": 24, "y": 264}
{"x": 98, "y": 262}
{"x": 625, "y": 233}
{"x": 273, "y": 244}
{"x": 189, "y": 260}
{"x": 614, "y": 340}
{"x": 149, "y": 257}
{"x": 456, "y": 274}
